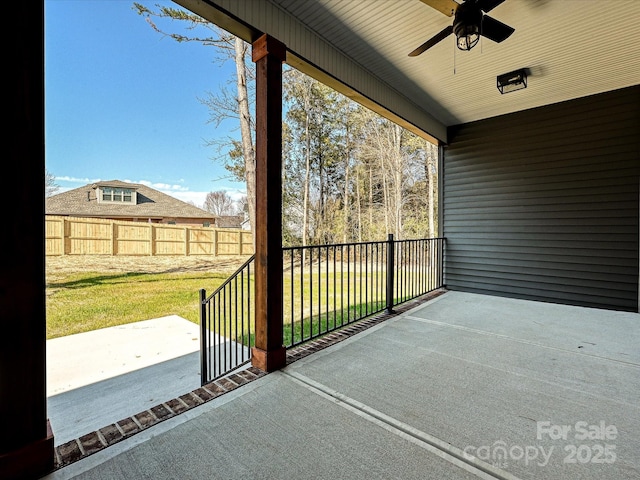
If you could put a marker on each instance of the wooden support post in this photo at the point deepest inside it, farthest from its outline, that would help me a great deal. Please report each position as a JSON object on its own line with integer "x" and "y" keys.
{"x": 26, "y": 439}
{"x": 268, "y": 354}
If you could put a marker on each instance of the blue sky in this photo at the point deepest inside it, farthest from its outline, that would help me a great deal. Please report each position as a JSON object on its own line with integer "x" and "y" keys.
{"x": 122, "y": 102}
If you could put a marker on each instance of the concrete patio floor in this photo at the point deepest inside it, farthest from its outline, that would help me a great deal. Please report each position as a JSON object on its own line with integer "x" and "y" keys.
{"x": 462, "y": 386}
{"x": 97, "y": 377}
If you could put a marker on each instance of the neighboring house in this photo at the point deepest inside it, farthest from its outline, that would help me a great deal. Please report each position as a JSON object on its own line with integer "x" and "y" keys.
{"x": 117, "y": 200}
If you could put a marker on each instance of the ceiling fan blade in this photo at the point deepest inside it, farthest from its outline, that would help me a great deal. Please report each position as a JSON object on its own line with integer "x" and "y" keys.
{"x": 488, "y": 5}
{"x": 495, "y": 30}
{"x": 432, "y": 41}
{"x": 448, "y": 7}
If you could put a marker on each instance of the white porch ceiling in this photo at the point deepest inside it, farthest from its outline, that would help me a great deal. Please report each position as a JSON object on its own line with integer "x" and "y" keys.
{"x": 573, "y": 48}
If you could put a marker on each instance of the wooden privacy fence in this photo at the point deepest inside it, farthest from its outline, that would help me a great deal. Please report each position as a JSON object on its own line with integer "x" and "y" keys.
{"x": 95, "y": 236}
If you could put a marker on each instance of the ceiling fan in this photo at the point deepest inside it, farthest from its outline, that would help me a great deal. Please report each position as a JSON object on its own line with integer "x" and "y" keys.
{"x": 470, "y": 21}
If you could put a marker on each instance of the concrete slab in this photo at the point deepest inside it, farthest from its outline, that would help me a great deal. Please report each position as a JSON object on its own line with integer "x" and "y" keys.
{"x": 590, "y": 331}
{"x": 279, "y": 428}
{"x": 85, "y": 358}
{"x": 492, "y": 387}
{"x": 99, "y": 377}
{"x": 464, "y": 385}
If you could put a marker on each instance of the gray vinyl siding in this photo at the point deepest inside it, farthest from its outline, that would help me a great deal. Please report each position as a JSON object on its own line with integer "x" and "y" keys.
{"x": 543, "y": 204}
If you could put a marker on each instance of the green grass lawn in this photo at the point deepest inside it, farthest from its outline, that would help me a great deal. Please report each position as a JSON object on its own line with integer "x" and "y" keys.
{"x": 82, "y": 302}
{"x": 86, "y": 301}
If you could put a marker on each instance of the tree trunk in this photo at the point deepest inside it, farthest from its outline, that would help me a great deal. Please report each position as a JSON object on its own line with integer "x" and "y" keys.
{"x": 346, "y": 200}
{"x": 359, "y": 205}
{"x": 430, "y": 186}
{"x": 307, "y": 177}
{"x": 398, "y": 172}
{"x": 248, "y": 149}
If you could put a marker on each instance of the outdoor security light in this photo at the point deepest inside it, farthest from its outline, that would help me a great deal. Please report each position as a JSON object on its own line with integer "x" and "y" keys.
{"x": 512, "y": 81}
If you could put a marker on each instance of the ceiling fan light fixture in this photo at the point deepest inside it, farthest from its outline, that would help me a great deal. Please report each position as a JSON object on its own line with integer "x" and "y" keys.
{"x": 470, "y": 22}
{"x": 512, "y": 81}
{"x": 467, "y": 41}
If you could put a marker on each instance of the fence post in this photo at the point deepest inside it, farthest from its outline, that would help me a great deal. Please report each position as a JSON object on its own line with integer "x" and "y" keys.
{"x": 66, "y": 233}
{"x": 204, "y": 350}
{"x": 114, "y": 238}
{"x": 390, "y": 272}
{"x": 152, "y": 239}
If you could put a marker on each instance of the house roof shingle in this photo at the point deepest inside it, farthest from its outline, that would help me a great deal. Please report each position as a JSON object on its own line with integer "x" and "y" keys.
{"x": 151, "y": 203}
{"x": 230, "y": 221}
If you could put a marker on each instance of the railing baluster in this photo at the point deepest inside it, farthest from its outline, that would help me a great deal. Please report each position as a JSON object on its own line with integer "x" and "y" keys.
{"x": 292, "y": 279}
{"x": 235, "y": 316}
{"x": 326, "y": 289}
{"x": 204, "y": 347}
{"x": 341, "y": 285}
{"x": 348, "y": 284}
{"x": 302, "y": 290}
{"x": 335, "y": 308}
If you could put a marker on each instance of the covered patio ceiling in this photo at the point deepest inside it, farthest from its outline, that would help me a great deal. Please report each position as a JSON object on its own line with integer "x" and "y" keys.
{"x": 572, "y": 49}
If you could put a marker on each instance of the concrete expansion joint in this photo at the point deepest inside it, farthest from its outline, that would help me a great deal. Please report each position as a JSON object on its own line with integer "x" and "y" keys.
{"x": 441, "y": 448}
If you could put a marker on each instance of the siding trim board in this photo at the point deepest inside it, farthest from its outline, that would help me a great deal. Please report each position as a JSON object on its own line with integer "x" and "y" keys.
{"x": 544, "y": 204}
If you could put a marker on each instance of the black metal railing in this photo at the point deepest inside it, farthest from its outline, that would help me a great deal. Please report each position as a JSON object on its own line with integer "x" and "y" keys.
{"x": 329, "y": 286}
{"x": 325, "y": 287}
{"x": 418, "y": 266}
{"x": 227, "y": 324}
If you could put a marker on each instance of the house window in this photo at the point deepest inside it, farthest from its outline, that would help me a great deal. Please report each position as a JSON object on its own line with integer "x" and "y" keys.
{"x": 116, "y": 195}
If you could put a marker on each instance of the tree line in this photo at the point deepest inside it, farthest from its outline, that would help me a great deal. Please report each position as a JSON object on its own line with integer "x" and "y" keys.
{"x": 348, "y": 173}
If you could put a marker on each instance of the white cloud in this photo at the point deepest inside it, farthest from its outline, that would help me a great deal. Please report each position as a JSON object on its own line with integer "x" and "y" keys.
{"x": 83, "y": 181}
{"x": 198, "y": 198}
{"x": 163, "y": 187}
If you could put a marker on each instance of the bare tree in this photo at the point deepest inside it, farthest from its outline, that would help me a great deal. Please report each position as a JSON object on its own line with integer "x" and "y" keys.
{"x": 50, "y": 185}
{"x": 242, "y": 206}
{"x": 224, "y": 104}
{"x": 219, "y": 203}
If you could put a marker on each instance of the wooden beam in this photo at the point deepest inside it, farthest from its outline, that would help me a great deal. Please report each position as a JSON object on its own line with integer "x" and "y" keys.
{"x": 268, "y": 353}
